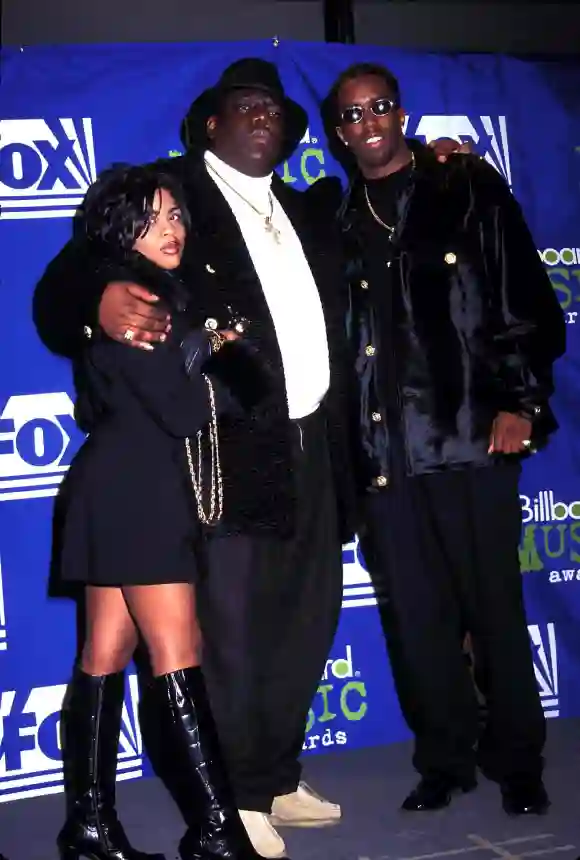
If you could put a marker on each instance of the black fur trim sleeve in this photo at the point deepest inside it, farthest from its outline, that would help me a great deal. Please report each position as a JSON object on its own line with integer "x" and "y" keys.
{"x": 238, "y": 366}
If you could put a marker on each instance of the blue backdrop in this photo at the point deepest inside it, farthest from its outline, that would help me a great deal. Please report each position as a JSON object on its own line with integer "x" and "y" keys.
{"x": 69, "y": 112}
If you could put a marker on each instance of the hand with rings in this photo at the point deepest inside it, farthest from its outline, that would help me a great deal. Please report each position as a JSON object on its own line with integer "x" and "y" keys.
{"x": 510, "y": 434}
{"x": 131, "y": 314}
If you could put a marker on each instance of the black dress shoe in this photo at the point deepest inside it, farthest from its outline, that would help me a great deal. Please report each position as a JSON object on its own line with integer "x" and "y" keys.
{"x": 435, "y": 792}
{"x": 524, "y": 796}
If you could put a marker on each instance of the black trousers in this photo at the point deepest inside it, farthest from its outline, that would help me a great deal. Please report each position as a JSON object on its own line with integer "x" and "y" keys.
{"x": 444, "y": 548}
{"x": 269, "y": 611}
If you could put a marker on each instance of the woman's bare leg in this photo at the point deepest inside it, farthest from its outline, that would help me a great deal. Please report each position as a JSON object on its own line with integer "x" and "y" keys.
{"x": 111, "y": 636}
{"x": 167, "y": 620}
{"x": 90, "y": 726}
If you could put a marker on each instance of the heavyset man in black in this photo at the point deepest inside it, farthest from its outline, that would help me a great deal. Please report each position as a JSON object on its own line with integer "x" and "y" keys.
{"x": 456, "y": 328}
{"x": 270, "y": 603}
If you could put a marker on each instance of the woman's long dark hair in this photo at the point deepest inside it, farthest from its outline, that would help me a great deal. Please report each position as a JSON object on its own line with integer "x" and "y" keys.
{"x": 118, "y": 207}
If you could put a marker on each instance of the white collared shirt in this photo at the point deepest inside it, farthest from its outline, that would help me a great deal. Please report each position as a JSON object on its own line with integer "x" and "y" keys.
{"x": 287, "y": 282}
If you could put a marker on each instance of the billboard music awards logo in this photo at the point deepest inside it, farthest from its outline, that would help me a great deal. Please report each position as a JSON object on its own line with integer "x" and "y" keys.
{"x": 563, "y": 267}
{"x": 341, "y": 695}
{"x": 307, "y": 163}
{"x": 38, "y": 438}
{"x": 550, "y": 537}
{"x": 46, "y": 166}
{"x": 30, "y": 755}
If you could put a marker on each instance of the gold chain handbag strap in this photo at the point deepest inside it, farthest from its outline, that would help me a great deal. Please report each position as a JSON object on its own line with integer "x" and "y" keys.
{"x": 216, "y": 501}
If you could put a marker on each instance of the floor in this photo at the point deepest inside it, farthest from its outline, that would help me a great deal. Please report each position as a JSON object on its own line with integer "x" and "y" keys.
{"x": 370, "y": 784}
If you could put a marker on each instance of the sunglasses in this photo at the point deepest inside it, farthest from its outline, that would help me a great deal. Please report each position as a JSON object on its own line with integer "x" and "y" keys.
{"x": 380, "y": 107}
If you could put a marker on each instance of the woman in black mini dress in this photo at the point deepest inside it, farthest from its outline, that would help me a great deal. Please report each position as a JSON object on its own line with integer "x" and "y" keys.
{"x": 134, "y": 501}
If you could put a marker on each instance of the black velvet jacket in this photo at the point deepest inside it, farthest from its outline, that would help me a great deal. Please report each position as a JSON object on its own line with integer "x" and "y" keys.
{"x": 255, "y": 447}
{"x": 476, "y": 323}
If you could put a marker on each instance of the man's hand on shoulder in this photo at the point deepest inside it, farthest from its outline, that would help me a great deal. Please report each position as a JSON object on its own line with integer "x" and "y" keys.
{"x": 444, "y": 147}
{"x": 464, "y": 161}
{"x": 130, "y": 314}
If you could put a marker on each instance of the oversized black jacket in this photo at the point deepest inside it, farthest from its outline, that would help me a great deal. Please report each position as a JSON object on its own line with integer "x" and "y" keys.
{"x": 476, "y": 323}
{"x": 256, "y": 453}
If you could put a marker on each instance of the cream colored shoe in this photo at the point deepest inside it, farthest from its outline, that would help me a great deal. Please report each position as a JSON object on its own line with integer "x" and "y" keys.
{"x": 262, "y": 835}
{"x": 304, "y": 808}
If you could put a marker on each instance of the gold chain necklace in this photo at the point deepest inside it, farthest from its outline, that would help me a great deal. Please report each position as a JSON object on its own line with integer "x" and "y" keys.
{"x": 375, "y": 216}
{"x": 216, "y": 502}
{"x": 268, "y": 225}
{"x": 372, "y": 211}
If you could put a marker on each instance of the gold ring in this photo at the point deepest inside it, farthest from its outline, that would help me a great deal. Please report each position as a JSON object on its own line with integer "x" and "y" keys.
{"x": 129, "y": 334}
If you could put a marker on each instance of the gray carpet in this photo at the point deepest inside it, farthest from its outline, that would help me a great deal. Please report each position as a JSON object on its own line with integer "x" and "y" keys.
{"x": 370, "y": 784}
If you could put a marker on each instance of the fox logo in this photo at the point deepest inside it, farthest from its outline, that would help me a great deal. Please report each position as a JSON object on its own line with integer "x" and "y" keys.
{"x": 488, "y": 133}
{"x": 46, "y": 166}
{"x": 30, "y": 754}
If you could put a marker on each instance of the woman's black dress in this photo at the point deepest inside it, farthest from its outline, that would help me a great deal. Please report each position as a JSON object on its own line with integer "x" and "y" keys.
{"x": 128, "y": 508}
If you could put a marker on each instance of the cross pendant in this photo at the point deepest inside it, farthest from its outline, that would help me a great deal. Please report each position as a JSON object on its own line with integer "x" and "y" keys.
{"x": 272, "y": 230}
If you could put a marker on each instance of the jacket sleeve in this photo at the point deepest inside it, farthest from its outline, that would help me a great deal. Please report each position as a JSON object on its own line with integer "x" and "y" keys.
{"x": 529, "y": 331}
{"x": 176, "y": 399}
{"x": 67, "y": 298}
{"x": 324, "y": 197}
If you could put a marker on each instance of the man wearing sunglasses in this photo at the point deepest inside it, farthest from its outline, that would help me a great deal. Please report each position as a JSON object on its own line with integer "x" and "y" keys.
{"x": 456, "y": 328}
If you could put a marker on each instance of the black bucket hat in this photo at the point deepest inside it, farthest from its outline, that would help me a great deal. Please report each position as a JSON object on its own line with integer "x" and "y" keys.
{"x": 250, "y": 73}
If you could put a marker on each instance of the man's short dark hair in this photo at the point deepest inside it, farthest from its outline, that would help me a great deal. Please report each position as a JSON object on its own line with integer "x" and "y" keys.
{"x": 363, "y": 70}
{"x": 117, "y": 208}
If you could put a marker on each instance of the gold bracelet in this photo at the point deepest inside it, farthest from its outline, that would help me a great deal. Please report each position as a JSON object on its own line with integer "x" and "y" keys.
{"x": 216, "y": 340}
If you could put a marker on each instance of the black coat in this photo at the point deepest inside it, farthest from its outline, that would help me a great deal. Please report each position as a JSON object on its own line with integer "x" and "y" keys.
{"x": 127, "y": 507}
{"x": 476, "y": 323}
{"x": 259, "y": 494}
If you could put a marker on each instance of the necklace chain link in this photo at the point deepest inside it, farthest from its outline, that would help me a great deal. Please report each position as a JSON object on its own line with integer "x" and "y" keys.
{"x": 216, "y": 501}
{"x": 268, "y": 225}
{"x": 373, "y": 212}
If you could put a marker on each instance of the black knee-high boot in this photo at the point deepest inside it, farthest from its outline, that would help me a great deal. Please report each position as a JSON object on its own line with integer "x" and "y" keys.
{"x": 215, "y": 830}
{"x": 91, "y": 726}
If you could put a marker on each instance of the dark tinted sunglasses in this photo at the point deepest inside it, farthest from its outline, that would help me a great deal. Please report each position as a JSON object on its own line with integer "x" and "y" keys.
{"x": 380, "y": 107}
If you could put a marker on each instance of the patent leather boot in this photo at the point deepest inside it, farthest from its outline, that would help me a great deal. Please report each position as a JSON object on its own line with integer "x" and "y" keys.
{"x": 91, "y": 725}
{"x": 215, "y": 829}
